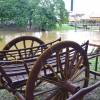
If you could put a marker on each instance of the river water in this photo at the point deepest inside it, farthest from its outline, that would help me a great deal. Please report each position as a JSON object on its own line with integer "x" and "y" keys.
{"x": 79, "y": 36}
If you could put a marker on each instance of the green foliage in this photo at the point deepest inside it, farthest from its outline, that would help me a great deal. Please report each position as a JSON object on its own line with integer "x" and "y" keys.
{"x": 15, "y": 10}
{"x": 20, "y": 10}
{"x": 1, "y": 39}
{"x": 39, "y": 13}
{"x": 44, "y": 18}
{"x": 61, "y": 12}
{"x": 46, "y": 13}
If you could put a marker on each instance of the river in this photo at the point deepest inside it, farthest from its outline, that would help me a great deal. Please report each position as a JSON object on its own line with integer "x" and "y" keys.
{"x": 79, "y": 36}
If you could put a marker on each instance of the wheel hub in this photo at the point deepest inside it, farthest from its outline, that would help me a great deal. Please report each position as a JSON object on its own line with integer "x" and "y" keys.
{"x": 70, "y": 87}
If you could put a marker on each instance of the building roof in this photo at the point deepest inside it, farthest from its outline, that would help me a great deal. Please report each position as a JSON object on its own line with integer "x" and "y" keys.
{"x": 95, "y": 15}
{"x": 91, "y": 17}
{"x": 85, "y": 17}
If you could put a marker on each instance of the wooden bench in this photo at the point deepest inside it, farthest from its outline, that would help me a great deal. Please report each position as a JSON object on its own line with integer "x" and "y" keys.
{"x": 59, "y": 66}
{"x": 23, "y": 55}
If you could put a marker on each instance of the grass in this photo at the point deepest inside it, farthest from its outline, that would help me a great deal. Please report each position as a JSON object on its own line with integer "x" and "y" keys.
{"x": 92, "y": 65}
{"x": 93, "y": 27}
{"x": 5, "y": 95}
{"x": 65, "y": 27}
{"x": 94, "y": 94}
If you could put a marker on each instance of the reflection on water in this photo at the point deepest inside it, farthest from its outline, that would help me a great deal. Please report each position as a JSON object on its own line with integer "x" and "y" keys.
{"x": 79, "y": 36}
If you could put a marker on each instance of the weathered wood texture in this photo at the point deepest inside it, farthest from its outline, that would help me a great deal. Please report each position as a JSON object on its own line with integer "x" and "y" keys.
{"x": 60, "y": 64}
{"x": 16, "y": 64}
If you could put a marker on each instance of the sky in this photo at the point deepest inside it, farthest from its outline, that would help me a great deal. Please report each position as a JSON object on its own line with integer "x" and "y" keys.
{"x": 84, "y": 6}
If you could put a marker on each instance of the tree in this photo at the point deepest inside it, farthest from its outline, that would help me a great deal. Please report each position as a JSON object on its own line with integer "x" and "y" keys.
{"x": 39, "y": 13}
{"x": 61, "y": 12}
{"x": 46, "y": 12}
{"x": 21, "y": 13}
{"x": 15, "y": 10}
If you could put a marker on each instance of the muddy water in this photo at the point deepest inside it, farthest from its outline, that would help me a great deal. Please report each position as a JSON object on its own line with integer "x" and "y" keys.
{"x": 79, "y": 36}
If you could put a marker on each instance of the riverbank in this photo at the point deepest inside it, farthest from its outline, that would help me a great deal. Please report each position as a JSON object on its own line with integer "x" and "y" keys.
{"x": 15, "y": 29}
{"x": 32, "y": 29}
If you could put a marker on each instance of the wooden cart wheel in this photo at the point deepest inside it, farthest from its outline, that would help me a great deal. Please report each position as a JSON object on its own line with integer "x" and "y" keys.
{"x": 23, "y": 42}
{"x": 58, "y": 73}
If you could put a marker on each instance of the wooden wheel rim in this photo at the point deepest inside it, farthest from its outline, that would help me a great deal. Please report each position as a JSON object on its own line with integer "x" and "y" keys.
{"x": 41, "y": 61}
{"x": 22, "y": 38}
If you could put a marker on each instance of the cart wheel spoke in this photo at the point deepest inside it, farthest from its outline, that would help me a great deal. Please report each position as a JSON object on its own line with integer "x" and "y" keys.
{"x": 24, "y": 42}
{"x": 63, "y": 65}
{"x": 54, "y": 95}
{"x": 77, "y": 66}
{"x": 78, "y": 73}
{"x": 72, "y": 61}
{"x": 49, "y": 80}
{"x": 66, "y": 63}
{"x": 79, "y": 80}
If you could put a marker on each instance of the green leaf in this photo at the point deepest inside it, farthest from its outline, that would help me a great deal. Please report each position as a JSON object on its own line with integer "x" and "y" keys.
{"x": 1, "y": 39}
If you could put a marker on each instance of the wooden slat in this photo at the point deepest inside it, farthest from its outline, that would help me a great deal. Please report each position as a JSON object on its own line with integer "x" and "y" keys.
{"x": 16, "y": 72}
